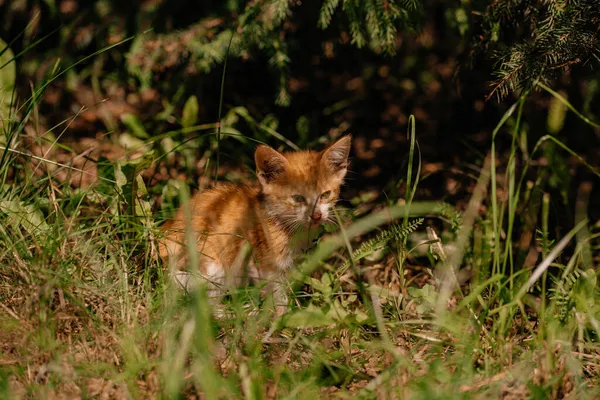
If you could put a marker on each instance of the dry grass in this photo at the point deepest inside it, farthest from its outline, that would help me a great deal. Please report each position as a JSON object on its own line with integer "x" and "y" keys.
{"x": 81, "y": 317}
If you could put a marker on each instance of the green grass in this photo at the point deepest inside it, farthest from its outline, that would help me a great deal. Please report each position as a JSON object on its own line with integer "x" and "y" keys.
{"x": 85, "y": 308}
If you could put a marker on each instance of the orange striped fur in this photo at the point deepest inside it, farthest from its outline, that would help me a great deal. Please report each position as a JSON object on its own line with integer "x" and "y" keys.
{"x": 273, "y": 217}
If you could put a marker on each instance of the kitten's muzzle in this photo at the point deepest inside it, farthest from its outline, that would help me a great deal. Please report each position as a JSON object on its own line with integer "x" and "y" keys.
{"x": 316, "y": 216}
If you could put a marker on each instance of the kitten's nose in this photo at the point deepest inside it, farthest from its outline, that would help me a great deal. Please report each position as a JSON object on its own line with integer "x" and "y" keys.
{"x": 316, "y": 217}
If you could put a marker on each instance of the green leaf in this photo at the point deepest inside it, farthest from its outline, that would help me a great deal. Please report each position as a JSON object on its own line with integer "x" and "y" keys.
{"x": 337, "y": 311}
{"x": 120, "y": 177}
{"x": 106, "y": 170}
{"x": 326, "y": 279}
{"x": 171, "y": 190}
{"x": 360, "y": 316}
{"x": 133, "y": 123}
{"x": 131, "y": 184}
{"x": 348, "y": 300}
{"x": 311, "y": 316}
{"x": 425, "y": 297}
{"x": 168, "y": 145}
{"x": 426, "y": 292}
{"x": 303, "y": 128}
{"x": 242, "y": 112}
{"x": 141, "y": 186}
{"x": 130, "y": 142}
{"x": 318, "y": 285}
{"x": 271, "y": 122}
{"x": 190, "y": 112}
{"x": 8, "y": 74}
{"x": 365, "y": 197}
{"x": 27, "y": 216}
{"x": 330, "y": 227}
{"x": 556, "y": 114}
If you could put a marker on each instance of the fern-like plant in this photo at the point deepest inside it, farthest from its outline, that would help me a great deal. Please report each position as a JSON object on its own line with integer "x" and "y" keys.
{"x": 562, "y": 293}
{"x": 394, "y": 233}
{"x": 449, "y": 213}
{"x": 571, "y": 291}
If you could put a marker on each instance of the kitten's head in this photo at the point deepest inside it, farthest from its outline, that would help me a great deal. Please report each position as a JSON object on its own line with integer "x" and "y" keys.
{"x": 299, "y": 188}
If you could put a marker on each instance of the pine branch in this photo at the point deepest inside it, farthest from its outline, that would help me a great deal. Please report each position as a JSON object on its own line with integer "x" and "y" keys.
{"x": 326, "y": 14}
{"x": 260, "y": 28}
{"x": 556, "y": 35}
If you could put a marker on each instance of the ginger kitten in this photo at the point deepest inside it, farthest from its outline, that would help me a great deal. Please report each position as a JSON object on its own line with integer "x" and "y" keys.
{"x": 293, "y": 196}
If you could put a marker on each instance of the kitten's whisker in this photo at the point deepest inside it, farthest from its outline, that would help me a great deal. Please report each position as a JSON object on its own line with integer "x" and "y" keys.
{"x": 289, "y": 226}
{"x": 332, "y": 219}
{"x": 288, "y": 230}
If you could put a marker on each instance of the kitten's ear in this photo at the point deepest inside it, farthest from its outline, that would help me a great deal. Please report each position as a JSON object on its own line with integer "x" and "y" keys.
{"x": 335, "y": 157}
{"x": 269, "y": 163}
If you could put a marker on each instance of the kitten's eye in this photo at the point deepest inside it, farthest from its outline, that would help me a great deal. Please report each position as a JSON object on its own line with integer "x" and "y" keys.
{"x": 298, "y": 198}
{"x": 326, "y": 195}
